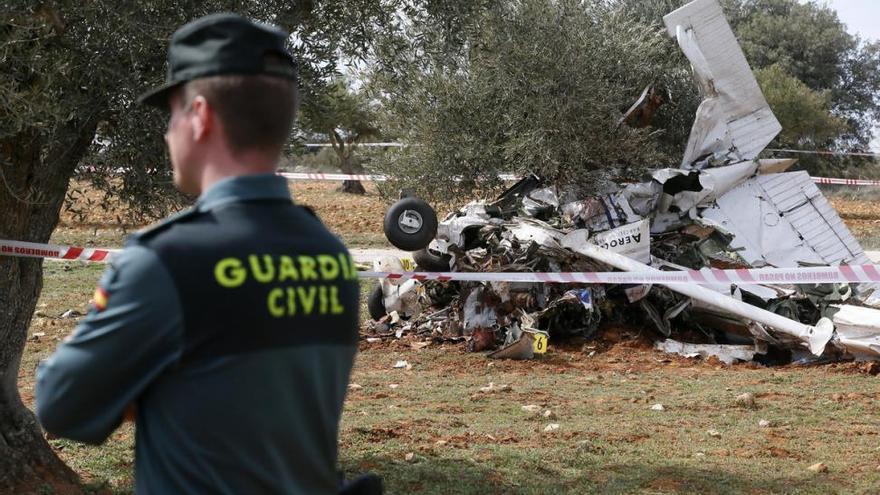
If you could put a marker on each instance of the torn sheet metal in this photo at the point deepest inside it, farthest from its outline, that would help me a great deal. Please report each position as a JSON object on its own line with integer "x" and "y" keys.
{"x": 686, "y": 189}
{"x": 727, "y": 354}
{"x": 451, "y": 231}
{"x": 632, "y": 240}
{"x": 734, "y": 121}
{"x": 541, "y": 202}
{"x": 521, "y": 344}
{"x": 637, "y": 292}
{"x": 570, "y": 314}
{"x": 815, "y": 337}
{"x": 479, "y": 310}
{"x": 601, "y": 213}
{"x": 782, "y": 220}
{"x": 401, "y": 297}
{"x": 858, "y": 330}
{"x": 531, "y": 230}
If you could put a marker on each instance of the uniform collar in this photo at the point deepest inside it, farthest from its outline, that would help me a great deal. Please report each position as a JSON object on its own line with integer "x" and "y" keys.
{"x": 243, "y": 188}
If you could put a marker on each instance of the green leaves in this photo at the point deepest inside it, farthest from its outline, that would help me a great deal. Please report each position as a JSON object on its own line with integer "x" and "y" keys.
{"x": 535, "y": 86}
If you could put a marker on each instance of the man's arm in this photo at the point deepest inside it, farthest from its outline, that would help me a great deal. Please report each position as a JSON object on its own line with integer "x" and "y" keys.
{"x": 133, "y": 332}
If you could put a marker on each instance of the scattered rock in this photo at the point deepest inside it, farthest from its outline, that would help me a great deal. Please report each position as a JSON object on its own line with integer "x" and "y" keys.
{"x": 548, "y": 414}
{"x": 700, "y": 454}
{"x": 658, "y": 407}
{"x": 410, "y": 457}
{"x": 492, "y": 388}
{"x": 71, "y": 313}
{"x": 440, "y": 443}
{"x": 532, "y": 409}
{"x": 819, "y": 467}
{"x": 393, "y": 385}
{"x": 746, "y": 400}
{"x": 419, "y": 345}
{"x": 764, "y": 423}
{"x": 402, "y": 365}
{"x": 354, "y": 386}
{"x": 714, "y": 433}
{"x": 551, "y": 428}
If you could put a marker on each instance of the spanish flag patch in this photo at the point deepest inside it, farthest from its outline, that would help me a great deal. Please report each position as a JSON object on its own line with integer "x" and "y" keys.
{"x": 99, "y": 299}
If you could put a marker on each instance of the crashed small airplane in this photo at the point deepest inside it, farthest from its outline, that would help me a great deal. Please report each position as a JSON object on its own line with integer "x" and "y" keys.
{"x": 723, "y": 208}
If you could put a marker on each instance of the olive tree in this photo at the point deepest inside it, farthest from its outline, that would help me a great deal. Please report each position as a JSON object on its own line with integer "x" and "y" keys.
{"x": 69, "y": 75}
{"x": 529, "y": 86}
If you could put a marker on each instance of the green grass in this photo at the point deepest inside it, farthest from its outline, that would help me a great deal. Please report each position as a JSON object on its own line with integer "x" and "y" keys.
{"x": 609, "y": 440}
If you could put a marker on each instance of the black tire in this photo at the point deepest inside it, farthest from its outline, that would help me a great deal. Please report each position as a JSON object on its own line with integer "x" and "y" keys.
{"x": 376, "y": 303}
{"x": 410, "y": 224}
{"x": 429, "y": 261}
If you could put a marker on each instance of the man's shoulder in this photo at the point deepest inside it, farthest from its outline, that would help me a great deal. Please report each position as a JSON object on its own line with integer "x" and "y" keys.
{"x": 151, "y": 232}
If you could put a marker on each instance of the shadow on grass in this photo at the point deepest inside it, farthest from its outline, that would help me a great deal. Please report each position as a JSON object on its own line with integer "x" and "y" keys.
{"x": 432, "y": 475}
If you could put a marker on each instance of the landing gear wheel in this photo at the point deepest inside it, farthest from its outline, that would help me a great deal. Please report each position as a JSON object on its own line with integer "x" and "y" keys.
{"x": 376, "y": 303}
{"x": 431, "y": 261}
{"x": 410, "y": 224}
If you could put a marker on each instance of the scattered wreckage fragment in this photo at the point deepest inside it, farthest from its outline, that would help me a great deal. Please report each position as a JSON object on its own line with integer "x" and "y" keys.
{"x": 724, "y": 208}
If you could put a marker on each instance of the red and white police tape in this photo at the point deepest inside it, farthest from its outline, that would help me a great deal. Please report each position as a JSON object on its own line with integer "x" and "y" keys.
{"x": 363, "y": 177}
{"x": 846, "y": 182}
{"x": 382, "y": 178}
{"x": 34, "y": 250}
{"x": 803, "y": 275}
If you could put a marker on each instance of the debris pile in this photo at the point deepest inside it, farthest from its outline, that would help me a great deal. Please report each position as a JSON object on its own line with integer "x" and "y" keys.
{"x": 723, "y": 208}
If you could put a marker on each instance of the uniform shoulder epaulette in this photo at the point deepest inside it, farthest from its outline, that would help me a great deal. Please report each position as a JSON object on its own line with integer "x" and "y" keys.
{"x": 162, "y": 225}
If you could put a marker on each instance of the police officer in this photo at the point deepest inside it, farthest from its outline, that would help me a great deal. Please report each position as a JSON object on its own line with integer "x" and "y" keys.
{"x": 229, "y": 330}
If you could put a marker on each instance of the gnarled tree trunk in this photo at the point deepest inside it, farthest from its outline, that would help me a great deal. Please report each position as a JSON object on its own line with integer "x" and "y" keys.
{"x": 35, "y": 175}
{"x": 343, "y": 151}
{"x": 350, "y": 186}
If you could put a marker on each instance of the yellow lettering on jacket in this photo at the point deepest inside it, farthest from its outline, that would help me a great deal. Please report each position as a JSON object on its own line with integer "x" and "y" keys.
{"x": 230, "y": 273}
{"x": 307, "y": 298}
{"x": 265, "y": 273}
{"x": 307, "y": 266}
{"x": 286, "y": 269}
{"x": 275, "y": 307}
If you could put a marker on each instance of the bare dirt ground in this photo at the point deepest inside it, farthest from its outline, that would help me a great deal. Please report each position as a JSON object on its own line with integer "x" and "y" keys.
{"x": 436, "y": 427}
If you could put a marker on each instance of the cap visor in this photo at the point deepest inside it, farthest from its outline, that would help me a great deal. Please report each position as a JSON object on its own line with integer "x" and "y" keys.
{"x": 158, "y": 97}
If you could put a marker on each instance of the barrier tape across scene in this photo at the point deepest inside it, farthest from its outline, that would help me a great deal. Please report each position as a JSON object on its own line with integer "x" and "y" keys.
{"x": 381, "y": 178}
{"x": 742, "y": 276}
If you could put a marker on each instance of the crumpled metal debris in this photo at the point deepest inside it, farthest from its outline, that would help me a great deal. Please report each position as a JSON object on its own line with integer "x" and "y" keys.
{"x": 723, "y": 208}
{"x": 727, "y": 354}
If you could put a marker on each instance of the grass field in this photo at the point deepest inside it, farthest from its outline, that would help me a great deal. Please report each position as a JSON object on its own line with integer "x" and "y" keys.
{"x": 430, "y": 429}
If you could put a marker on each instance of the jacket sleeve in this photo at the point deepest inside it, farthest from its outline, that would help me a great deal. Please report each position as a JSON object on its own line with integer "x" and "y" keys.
{"x": 133, "y": 332}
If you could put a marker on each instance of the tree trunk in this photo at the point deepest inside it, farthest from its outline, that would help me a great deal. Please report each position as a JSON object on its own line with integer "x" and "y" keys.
{"x": 35, "y": 175}
{"x": 339, "y": 144}
{"x": 349, "y": 186}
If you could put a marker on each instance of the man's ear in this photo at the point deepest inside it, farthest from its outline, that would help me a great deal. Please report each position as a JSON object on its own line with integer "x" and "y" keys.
{"x": 202, "y": 116}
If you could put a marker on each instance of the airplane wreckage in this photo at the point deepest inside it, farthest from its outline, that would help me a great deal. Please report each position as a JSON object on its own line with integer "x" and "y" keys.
{"x": 723, "y": 208}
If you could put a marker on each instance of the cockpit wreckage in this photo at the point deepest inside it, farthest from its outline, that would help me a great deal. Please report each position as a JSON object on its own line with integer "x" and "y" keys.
{"x": 723, "y": 208}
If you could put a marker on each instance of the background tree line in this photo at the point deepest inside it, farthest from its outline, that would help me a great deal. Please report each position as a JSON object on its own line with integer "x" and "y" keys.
{"x": 539, "y": 86}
